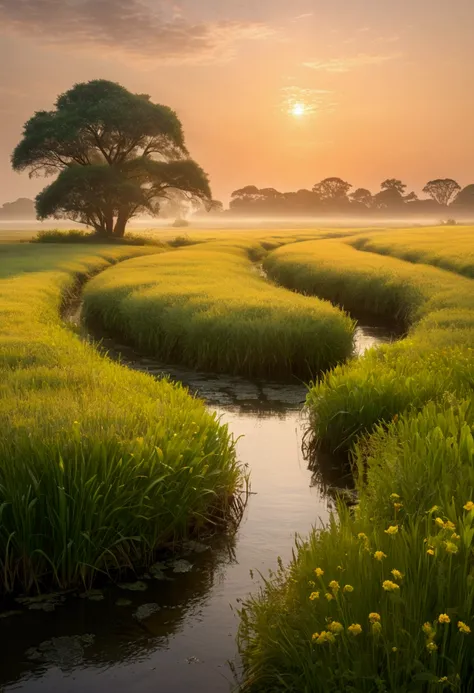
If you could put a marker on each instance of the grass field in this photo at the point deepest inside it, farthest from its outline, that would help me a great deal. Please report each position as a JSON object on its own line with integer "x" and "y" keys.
{"x": 383, "y": 598}
{"x": 208, "y": 307}
{"x": 99, "y": 466}
{"x": 448, "y": 247}
{"x": 436, "y": 359}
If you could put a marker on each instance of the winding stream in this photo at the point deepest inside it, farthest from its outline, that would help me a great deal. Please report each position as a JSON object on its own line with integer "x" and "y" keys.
{"x": 103, "y": 644}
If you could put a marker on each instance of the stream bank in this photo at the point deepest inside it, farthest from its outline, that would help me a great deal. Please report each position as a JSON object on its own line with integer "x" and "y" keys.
{"x": 176, "y": 632}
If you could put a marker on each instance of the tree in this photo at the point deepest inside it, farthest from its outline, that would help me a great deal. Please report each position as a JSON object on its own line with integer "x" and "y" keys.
{"x": 23, "y": 208}
{"x": 332, "y": 189}
{"x": 362, "y": 197}
{"x": 442, "y": 190}
{"x": 393, "y": 184}
{"x": 244, "y": 197}
{"x": 117, "y": 155}
{"x": 465, "y": 199}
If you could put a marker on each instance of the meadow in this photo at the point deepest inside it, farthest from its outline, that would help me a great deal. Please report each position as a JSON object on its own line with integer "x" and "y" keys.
{"x": 448, "y": 247}
{"x": 208, "y": 307}
{"x": 99, "y": 466}
{"x": 382, "y": 598}
{"x": 435, "y": 359}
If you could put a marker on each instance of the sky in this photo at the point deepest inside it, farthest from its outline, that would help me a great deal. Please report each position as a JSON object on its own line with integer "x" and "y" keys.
{"x": 271, "y": 93}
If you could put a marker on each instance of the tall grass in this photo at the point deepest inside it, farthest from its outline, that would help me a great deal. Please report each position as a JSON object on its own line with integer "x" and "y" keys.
{"x": 208, "y": 307}
{"x": 99, "y": 466}
{"x": 437, "y": 308}
{"x": 451, "y": 248}
{"x": 382, "y": 599}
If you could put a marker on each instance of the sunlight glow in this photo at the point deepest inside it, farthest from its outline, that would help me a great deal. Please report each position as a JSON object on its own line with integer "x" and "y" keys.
{"x": 298, "y": 110}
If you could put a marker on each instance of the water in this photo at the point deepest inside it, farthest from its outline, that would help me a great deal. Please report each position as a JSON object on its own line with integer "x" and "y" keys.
{"x": 185, "y": 645}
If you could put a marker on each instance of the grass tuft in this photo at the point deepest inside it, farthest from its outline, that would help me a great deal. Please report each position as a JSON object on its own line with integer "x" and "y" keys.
{"x": 99, "y": 466}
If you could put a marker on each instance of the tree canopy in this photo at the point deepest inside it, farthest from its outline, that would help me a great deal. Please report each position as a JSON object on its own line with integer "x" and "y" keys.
{"x": 116, "y": 154}
{"x": 442, "y": 190}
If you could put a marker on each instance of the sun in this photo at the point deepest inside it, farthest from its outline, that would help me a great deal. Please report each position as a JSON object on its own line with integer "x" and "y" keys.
{"x": 298, "y": 109}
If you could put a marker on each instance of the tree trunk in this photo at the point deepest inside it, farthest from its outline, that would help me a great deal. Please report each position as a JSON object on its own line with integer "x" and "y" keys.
{"x": 121, "y": 223}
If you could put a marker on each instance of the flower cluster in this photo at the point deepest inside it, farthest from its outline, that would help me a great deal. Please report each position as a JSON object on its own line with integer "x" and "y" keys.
{"x": 323, "y": 637}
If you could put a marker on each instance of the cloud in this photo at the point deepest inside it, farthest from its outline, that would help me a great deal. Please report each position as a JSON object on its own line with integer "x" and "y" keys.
{"x": 306, "y": 15}
{"x": 129, "y": 27}
{"x": 349, "y": 64}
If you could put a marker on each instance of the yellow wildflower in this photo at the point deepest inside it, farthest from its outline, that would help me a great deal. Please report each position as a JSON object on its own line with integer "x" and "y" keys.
{"x": 390, "y": 586}
{"x": 469, "y": 506}
{"x": 374, "y": 617}
{"x": 355, "y": 629}
{"x": 336, "y": 627}
{"x": 313, "y": 596}
{"x": 443, "y": 679}
{"x": 397, "y": 506}
{"x": 329, "y": 596}
{"x": 455, "y": 537}
{"x": 394, "y": 497}
{"x": 324, "y": 636}
{"x": 318, "y": 572}
{"x": 428, "y": 629}
{"x": 311, "y": 583}
{"x": 463, "y": 628}
{"x": 393, "y": 529}
{"x": 444, "y": 618}
{"x": 431, "y": 646}
{"x": 450, "y": 547}
{"x": 376, "y": 628}
{"x": 380, "y": 555}
{"x": 439, "y": 522}
{"x": 434, "y": 509}
{"x": 362, "y": 536}
{"x": 397, "y": 574}
{"x": 449, "y": 525}
{"x": 348, "y": 588}
{"x": 334, "y": 585}
{"x": 430, "y": 552}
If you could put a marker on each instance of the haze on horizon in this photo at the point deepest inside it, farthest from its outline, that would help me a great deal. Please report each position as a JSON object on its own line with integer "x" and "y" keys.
{"x": 273, "y": 94}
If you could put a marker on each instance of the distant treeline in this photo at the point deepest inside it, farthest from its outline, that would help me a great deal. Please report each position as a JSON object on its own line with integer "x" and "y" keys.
{"x": 23, "y": 208}
{"x": 334, "y": 196}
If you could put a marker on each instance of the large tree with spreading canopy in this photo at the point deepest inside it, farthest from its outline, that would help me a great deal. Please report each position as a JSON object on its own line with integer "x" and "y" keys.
{"x": 116, "y": 154}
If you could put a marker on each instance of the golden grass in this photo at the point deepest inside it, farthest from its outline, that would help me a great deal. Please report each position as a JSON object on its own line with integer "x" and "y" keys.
{"x": 208, "y": 307}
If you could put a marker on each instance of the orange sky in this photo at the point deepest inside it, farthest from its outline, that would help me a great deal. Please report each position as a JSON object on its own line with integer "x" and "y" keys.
{"x": 387, "y": 84}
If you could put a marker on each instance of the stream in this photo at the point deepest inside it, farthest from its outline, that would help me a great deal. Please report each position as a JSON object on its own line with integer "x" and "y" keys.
{"x": 177, "y": 632}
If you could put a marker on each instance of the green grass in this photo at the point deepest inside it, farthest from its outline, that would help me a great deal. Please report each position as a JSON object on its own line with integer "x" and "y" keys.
{"x": 416, "y": 476}
{"x": 406, "y": 412}
{"x": 436, "y": 306}
{"x": 448, "y": 247}
{"x": 99, "y": 466}
{"x": 208, "y": 307}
